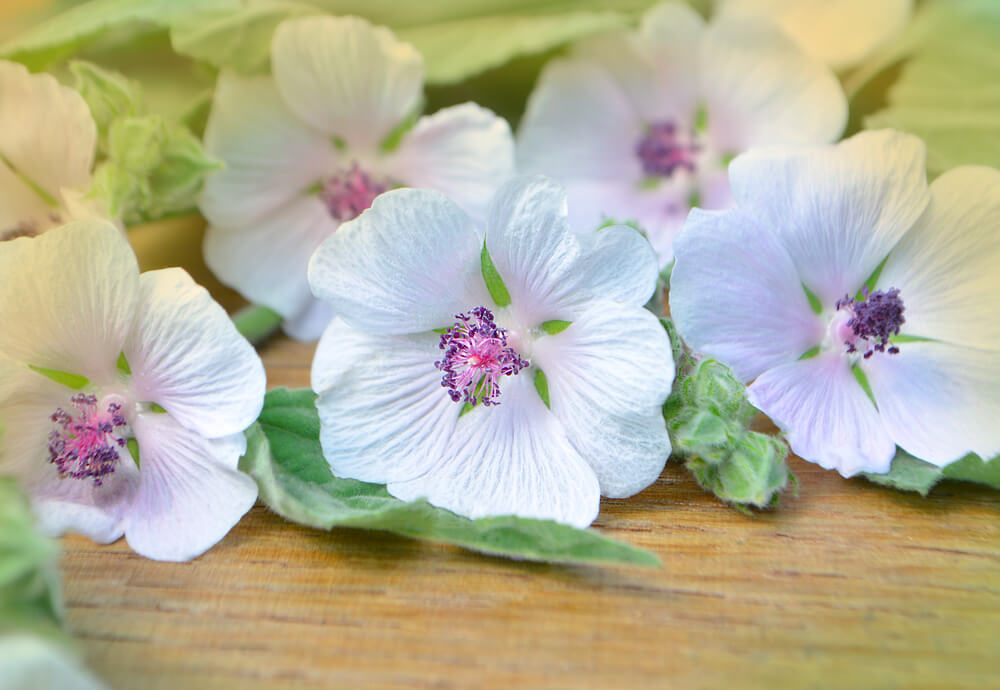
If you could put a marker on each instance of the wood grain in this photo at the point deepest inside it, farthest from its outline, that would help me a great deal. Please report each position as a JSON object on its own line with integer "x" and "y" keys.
{"x": 847, "y": 586}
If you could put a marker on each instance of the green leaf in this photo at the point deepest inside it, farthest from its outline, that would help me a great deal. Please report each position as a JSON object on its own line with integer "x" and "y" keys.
{"x": 494, "y": 282}
{"x": 109, "y": 95}
{"x": 285, "y": 457}
{"x": 74, "y": 381}
{"x": 907, "y": 473}
{"x": 947, "y": 92}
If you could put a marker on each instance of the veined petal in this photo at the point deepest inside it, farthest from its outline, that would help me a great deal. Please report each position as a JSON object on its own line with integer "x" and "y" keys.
{"x": 187, "y": 356}
{"x": 839, "y": 210}
{"x": 760, "y": 89}
{"x": 383, "y": 412}
{"x": 578, "y": 124}
{"x": 266, "y": 260}
{"x": 67, "y": 298}
{"x": 408, "y": 264}
{"x": 308, "y": 325}
{"x": 190, "y": 493}
{"x": 826, "y": 414}
{"x": 19, "y": 204}
{"x": 735, "y": 294}
{"x": 510, "y": 459}
{"x": 464, "y": 152}
{"x": 842, "y": 33}
{"x": 939, "y": 401}
{"x": 46, "y": 131}
{"x": 346, "y": 77}
{"x": 552, "y": 273}
{"x": 271, "y": 156}
{"x": 608, "y": 375}
{"x": 945, "y": 267}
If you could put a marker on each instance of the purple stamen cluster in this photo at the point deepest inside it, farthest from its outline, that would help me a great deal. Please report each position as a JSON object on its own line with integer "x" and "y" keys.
{"x": 86, "y": 447}
{"x": 661, "y": 150}
{"x": 874, "y": 319}
{"x": 476, "y": 356}
{"x": 350, "y": 192}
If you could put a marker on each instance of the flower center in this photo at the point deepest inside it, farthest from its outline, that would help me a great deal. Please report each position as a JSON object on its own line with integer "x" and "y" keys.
{"x": 86, "y": 443}
{"x": 348, "y": 193}
{"x": 476, "y": 356}
{"x": 873, "y": 320}
{"x": 663, "y": 149}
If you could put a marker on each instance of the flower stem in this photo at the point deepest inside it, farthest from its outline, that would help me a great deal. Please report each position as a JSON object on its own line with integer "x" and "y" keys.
{"x": 257, "y": 323}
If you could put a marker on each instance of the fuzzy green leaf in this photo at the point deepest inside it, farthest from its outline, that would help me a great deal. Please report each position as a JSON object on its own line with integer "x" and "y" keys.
{"x": 907, "y": 473}
{"x": 285, "y": 457}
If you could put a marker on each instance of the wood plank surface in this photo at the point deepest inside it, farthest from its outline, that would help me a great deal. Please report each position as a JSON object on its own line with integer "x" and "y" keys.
{"x": 847, "y": 586}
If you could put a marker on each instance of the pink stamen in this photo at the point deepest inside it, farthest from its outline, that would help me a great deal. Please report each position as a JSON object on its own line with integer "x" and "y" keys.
{"x": 350, "y": 192}
{"x": 87, "y": 446}
{"x": 662, "y": 150}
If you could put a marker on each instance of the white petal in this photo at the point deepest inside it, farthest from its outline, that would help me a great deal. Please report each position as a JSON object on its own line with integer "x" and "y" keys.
{"x": 735, "y": 294}
{"x": 579, "y": 125}
{"x": 28, "y": 662}
{"x": 266, "y": 261}
{"x": 842, "y": 33}
{"x": 510, "y": 459}
{"x": 657, "y": 65}
{"x": 190, "y": 493}
{"x": 187, "y": 356}
{"x": 946, "y": 266}
{"x": 271, "y": 157}
{"x": 760, "y": 89}
{"x": 608, "y": 375}
{"x": 46, "y": 131}
{"x": 837, "y": 210}
{"x": 67, "y": 298}
{"x": 383, "y": 413}
{"x": 939, "y": 401}
{"x": 826, "y": 414}
{"x": 408, "y": 264}
{"x": 552, "y": 273}
{"x": 464, "y": 151}
{"x": 19, "y": 205}
{"x": 346, "y": 77}
{"x": 308, "y": 325}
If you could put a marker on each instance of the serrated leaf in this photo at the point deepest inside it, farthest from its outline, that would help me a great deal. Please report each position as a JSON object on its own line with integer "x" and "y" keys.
{"x": 285, "y": 457}
{"x": 908, "y": 473}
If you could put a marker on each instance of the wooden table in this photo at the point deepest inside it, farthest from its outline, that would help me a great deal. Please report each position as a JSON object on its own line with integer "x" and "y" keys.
{"x": 847, "y": 586}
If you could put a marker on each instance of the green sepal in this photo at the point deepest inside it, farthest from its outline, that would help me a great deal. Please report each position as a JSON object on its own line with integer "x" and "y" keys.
{"x": 555, "y": 326}
{"x": 393, "y": 139}
{"x": 74, "y": 381}
{"x": 109, "y": 95}
{"x": 814, "y": 301}
{"x": 494, "y": 282}
{"x": 542, "y": 386}
{"x": 285, "y": 457}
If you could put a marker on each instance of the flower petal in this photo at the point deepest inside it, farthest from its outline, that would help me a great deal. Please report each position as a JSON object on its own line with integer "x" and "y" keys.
{"x": 579, "y": 125}
{"x": 760, "y": 89}
{"x": 308, "y": 325}
{"x": 67, "y": 298}
{"x": 383, "y": 414}
{"x": 464, "y": 151}
{"x": 939, "y": 401}
{"x": 190, "y": 493}
{"x": 408, "y": 264}
{"x": 19, "y": 205}
{"x": 29, "y": 661}
{"x": 945, "y": 266}
{"x": 826, "y": 414}
{"x": 266, "y": 260}
{"x": 608, "y": 375}
{"x": 735, "y": 294}
{"x": 510, "y": 459}
{"x": 46, "y": 131}
{"x": 552, "y": 273}
{"x": 346, "y": 77}
{"x": 837, "y": 210}
{"x": 271, "y": 157}
{"x": 187, "y": 356}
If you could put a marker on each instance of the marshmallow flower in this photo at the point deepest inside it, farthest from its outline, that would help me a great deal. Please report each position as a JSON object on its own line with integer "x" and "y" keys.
{"x": 861, "y": 303}
{"x": 841, "y": 33}
{"x": 123, "y": 397}
{"x": 508, "y": 372}
{"x": 640, "y": 126}
{"x": 47, "y": 144}
{"x": 309, "y": 148}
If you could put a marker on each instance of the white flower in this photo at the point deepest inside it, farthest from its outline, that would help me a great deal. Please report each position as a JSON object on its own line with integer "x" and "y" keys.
{"x": 305, "y": 152}
{"x": 93, "y": 356}
{"x": 841, "y": 33}
{"x": 640, "y": 126}
{"x": 567, "y": 325}
{"x": 815, "y": 227}
{"x": 47, "y": 144}
{"x": 28, "y": 662}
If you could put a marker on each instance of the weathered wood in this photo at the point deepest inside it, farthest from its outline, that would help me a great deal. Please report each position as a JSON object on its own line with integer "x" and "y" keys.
{"x": 849, "y": 585}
